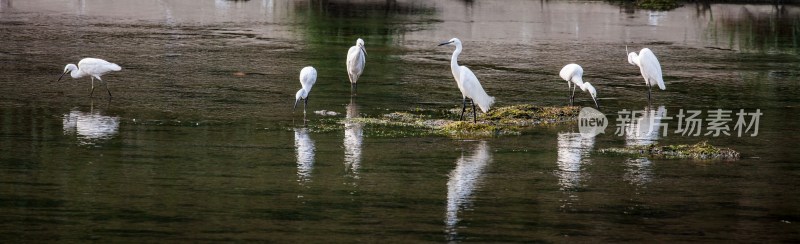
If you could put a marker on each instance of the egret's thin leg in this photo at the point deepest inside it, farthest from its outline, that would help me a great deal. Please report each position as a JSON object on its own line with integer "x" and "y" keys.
{"x": 463, "y": 107}
{"x": 356, "y": 87}
{"x": 305, "y": 103}
{"x": 109, "y": 91}
{"x": 649, "y": 90}
{"x": 569, "y": 97}
{"x": 474, "y": 112}
{"x": 572, "y": 98}
{"x": 92, "y": 91}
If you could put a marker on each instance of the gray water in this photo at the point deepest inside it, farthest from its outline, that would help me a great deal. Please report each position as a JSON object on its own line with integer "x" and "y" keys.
{"x": 200, "y": 143}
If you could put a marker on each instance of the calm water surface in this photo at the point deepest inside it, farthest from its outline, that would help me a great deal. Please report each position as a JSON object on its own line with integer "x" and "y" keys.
{"x": 200, "y": 142}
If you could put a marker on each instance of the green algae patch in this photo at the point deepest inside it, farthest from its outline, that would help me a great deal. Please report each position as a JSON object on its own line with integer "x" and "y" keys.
{"x": 528, "y": 115}
{"x": 701, "y": 151}
{"x": 326, "y": 125}
{"x": 509, "y": 120}
{"x": 468, "y": 129}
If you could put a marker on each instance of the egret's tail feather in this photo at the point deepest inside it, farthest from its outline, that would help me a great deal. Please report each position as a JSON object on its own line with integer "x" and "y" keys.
{"x": 660, "y": 84}
{"x": 484, "y": 101}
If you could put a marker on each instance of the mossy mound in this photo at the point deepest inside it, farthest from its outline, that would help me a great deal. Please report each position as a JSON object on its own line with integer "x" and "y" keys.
{"x": 527, "y": 115}
{"x": 510, "y": 120}
{"x": 468, "y": 129}
{"x": 701, "y": 150}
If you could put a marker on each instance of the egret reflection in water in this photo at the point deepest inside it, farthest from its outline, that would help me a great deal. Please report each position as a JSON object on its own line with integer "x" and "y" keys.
{"x": 464, "y": 179}
{"x": 353, "y": 137}
{"x": 645, "y": 127}
{"x": 305, "y": 155}
{"x": 90, "y": 128}
{"x": 573, "y": 152}
{"x": 643, "y": 131}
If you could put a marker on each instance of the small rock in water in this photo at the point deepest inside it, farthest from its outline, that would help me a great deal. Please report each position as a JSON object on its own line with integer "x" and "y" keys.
{"x": 326, "y": 113}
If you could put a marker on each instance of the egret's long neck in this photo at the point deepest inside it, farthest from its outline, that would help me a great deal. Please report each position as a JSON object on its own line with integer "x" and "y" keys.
{"x": 77, "y": 73}
{"x": 454, "y": 62}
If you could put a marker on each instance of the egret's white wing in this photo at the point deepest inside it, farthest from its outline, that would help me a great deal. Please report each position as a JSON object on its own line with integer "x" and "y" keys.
{"x": 97, "y": 67}
{"x": 308, "y": 76}
{"x": 472, "y": 88}
{"x": 469, "y": 82}
{"x": 651, "y": 68}
{"x": 355, "y": 63}
{"x": 572, "y": 73}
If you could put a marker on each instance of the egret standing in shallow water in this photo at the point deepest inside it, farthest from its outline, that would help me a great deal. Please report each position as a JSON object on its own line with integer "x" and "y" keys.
{"x": 573, "y": 73}
{"x": 308, "y": 76}
{"x": 93, "y": 67}
{"x": 468, "y": 83}
{"x": 356, "y": 60}
{"x": 650, "y": 68}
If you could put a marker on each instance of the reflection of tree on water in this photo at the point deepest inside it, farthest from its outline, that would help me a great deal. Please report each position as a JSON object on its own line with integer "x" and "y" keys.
{"x": 304, "y": 147}
{"x": 346, "y": 20}
{"x": 766, "y": 28}
{"x": 5, "y": 5}
{"x": 330, "y": 27}
{"x": 464, "y": 179}
{"x": 91, "y": 127}
{"x": 573, "y": 150}
{"x": 353, "y": 136}
{"x": 643, "y": 131}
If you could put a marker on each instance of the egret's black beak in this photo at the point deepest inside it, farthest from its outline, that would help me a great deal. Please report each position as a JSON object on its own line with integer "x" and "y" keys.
{"x": 364, "y": 50}
{"x": 595, "y": 103}
{"x": 295, "y": 104}
{"x": 62, "y": 75}
{"x": 444, "y": 43}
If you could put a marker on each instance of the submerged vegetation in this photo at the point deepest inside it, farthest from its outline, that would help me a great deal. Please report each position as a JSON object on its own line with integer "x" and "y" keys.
{"x": 701, "y": 150}
{"x": 509, "y": 120}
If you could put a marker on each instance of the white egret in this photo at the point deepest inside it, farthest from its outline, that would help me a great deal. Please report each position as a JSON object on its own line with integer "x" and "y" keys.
{"x": 650, "y": 68}
{"x": 356, "y": 60}
{"x": 308, "y": 76}
{"x": 468, "y": 83}
{"x": 93, "y": 67}
{"x": 573, "y": 73}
